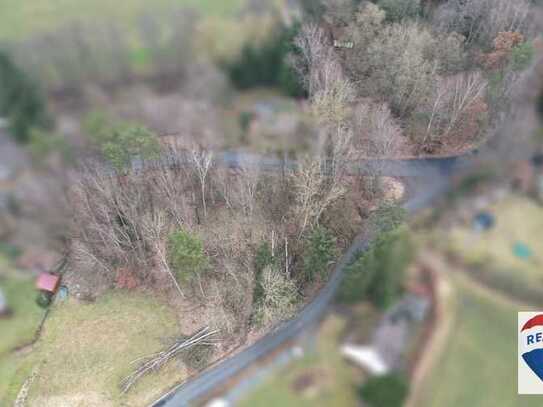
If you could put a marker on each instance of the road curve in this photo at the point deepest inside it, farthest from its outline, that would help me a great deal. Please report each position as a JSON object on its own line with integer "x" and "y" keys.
{"x": 433, "y": 181}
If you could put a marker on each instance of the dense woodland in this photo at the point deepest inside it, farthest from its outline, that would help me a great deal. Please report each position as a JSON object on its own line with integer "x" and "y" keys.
{"x": 409, "y": 77}
{"x": 247, "y": 246}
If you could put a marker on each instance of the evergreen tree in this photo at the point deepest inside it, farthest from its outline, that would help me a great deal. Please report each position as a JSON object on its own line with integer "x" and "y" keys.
{"x": 21, "y": 102}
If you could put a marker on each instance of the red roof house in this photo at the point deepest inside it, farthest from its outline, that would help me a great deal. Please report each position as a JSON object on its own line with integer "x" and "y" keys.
{"x": 48, "y": 282}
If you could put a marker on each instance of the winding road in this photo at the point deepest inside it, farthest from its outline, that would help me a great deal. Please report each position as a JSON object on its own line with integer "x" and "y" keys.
{"x": 430, "y": 179}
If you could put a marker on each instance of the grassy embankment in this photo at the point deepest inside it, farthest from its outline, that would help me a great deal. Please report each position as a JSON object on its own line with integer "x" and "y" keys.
{"x": 85, "y": 350}
{"x": 477, "y": 367}
{"x": 20, "y": 328}
{"x": 490, "y": 254}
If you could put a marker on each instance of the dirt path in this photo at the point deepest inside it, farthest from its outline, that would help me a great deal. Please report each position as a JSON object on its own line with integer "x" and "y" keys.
{"x": 445, "y": 313}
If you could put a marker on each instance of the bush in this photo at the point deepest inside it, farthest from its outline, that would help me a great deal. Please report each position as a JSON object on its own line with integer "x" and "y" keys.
{"x": 120, "y": 142}
{"x": 522, "y": 56}
{"x": 385, "y": 391}
{"x": 44, "y": 299}
{"x": 245, "y": 119}
{"x": 263, "y": 259}
{"x": 186, "y": 255}
{"x": 320, "y": 252}
{"x": 197, "y": 358}
{"x": 21, "y": 102}
{"x": 279, "y": 297}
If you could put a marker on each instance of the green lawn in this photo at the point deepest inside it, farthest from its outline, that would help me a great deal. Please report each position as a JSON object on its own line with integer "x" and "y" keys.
{"x": 85, "y": 349}
{"x": 329, "y": 380}
{"x": 21, "y": 18}
{"x": 478, "y": 367}
{"x": 20, "y": 328}
{"x": 518, "y": 219}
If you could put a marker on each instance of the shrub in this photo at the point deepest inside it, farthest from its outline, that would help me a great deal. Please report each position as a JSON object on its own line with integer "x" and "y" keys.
{"x": 197, "y": 358}
{"x": 522, "y": 56}
{"x": 263, "y": 259}
{"x": 387, "y": 218}
{"x": 44, "y": 299}
{"x": 127, "y": 142}
{"x": 21, "y": 102}
{"x": 245, "y": 119}
{"x": 186, "y": 255}
{"x": 279, "y": 297}
{"x": 119, "y": 142}
{"x": 320, "y": 252}
{"x": 385, "y": 391}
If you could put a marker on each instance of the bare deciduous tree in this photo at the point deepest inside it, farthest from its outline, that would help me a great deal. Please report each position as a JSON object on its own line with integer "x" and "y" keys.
{"x": 315, "y": 191}
{"x": 377, "y": 134}
{"x": 481, "y": 20}
{"x": 451, "y": 101}
{"x": 311, "y": 41}
{"x": 202, "y": 160}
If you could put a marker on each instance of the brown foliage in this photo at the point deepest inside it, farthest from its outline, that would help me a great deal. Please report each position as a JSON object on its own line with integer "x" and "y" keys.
{"x": 503, "y": 46}
{"x": 126, "y": 279}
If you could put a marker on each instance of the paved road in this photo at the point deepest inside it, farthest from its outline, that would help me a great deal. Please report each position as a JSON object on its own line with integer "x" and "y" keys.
{"x": 431, "y": 180}
{"x": 387, "y": 167}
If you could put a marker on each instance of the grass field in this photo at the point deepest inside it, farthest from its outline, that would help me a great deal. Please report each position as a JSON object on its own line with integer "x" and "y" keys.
{"x": 22, "y": 18}
{"x": 19, "y": 329}
{"x": 518, "y": 219}
{"x": 85, "y": 350}
{"x": 321, "y": 378}
{"x": 478, "y": 367}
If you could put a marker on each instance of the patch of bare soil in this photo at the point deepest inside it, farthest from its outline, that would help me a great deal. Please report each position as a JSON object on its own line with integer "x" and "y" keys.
{"x": 308, "y": 383}
{"x": 443, "y": 320}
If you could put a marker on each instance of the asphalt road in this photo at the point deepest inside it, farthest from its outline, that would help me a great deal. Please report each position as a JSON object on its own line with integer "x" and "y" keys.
{"x": 430, "y": 181}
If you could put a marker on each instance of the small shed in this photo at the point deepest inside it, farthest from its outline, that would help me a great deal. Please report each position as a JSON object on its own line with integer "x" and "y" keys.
{"x": 367, "y": 357}
{"x": 48, "y": 282}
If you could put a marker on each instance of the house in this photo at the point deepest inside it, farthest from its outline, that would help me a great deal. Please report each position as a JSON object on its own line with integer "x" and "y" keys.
{"x": 391, "y": 339}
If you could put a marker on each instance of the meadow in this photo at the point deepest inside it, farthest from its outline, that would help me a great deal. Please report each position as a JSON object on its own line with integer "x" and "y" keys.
{"x": 478, "y": 365}
{"x": 86, "y": 349}
{"x": 20, "y": 19}
{"x": 491, "y": 254}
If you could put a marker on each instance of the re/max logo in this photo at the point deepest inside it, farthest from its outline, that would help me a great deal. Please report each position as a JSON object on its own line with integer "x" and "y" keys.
{"x": 535, "y": 338}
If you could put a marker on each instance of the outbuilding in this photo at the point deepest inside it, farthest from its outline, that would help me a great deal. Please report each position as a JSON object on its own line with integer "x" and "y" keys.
{"x": 48, "y": 283}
